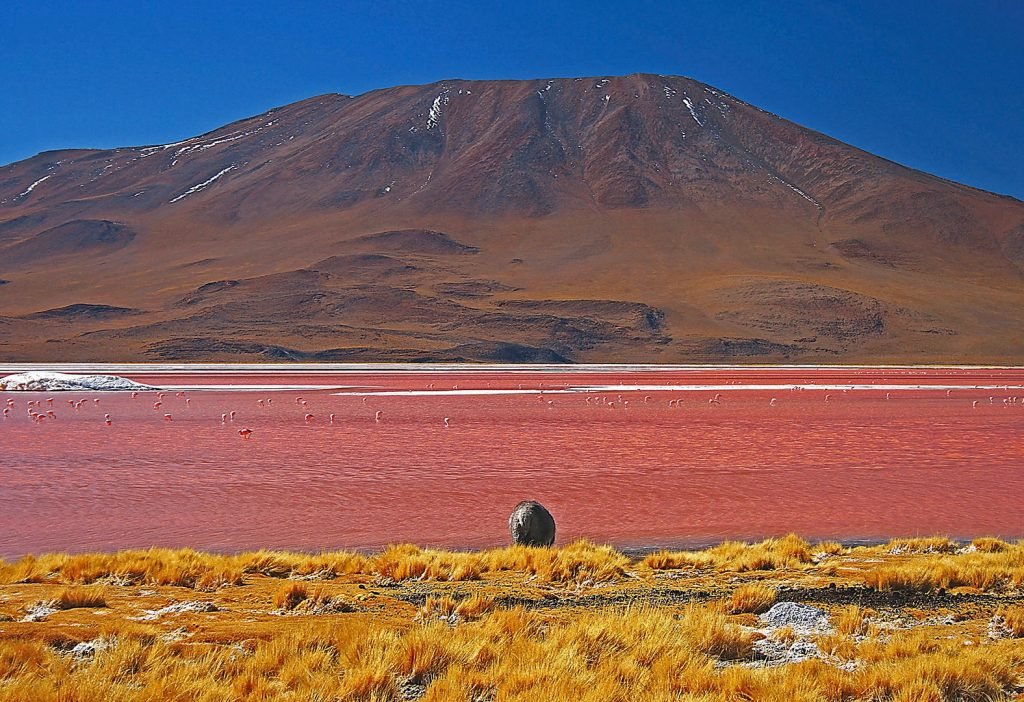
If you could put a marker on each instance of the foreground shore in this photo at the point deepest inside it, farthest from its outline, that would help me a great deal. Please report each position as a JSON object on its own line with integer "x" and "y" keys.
{"x": 918, "y": 619}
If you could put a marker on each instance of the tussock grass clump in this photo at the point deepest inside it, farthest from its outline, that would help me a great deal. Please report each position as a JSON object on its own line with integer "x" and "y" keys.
{"x": 81, "y": 597}
{"x": 788, "y": 552}
{"x": 984, "y": 570}
{"x": 754, "y": 598}
{"x": 931, "y": 544}
{"x": 577, "y": 562}
{"x": 289, "y": 595}
{"x": 448, "y": 608}
{"x": 1012, "y": 620}
{"x": 987, "y": 544}
{"x": 850, "y": 620}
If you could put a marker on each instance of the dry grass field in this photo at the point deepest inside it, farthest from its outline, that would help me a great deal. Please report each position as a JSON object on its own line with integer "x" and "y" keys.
{"x": 911, "y": 620}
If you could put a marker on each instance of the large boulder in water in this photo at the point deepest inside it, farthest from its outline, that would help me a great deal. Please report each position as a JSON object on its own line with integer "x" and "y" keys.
{"x": 531, "y": 524}
{"x": 40, "y": 381}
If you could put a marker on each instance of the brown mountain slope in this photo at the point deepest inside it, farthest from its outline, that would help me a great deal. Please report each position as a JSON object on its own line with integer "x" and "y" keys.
{"x": 636, "y": 218}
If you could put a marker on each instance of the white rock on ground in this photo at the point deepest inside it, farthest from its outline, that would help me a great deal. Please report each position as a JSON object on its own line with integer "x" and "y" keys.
{"x": 38, "y": 612}
{"x": 804, "y": 619}
{"x": 44, "y": 381}
{"x": 88, "y": 649}
{"x": 178, "y": 608}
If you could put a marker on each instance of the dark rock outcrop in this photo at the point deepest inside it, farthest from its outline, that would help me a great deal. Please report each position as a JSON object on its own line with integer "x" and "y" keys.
{"x": 531, "y": 524}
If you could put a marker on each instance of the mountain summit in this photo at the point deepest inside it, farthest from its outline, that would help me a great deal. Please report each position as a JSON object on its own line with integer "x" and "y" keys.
{"x": 640, "y": 218}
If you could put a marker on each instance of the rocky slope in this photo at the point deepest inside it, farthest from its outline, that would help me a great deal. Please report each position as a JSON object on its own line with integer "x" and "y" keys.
{"x": 637, "y": 218}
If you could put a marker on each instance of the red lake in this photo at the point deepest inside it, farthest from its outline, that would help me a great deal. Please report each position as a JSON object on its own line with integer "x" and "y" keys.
{"x": 634, "y": 456}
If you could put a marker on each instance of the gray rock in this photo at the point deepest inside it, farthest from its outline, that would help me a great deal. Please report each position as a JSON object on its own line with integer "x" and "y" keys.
{"x": 802, "y": 618}
{"x": 531, "y": 525}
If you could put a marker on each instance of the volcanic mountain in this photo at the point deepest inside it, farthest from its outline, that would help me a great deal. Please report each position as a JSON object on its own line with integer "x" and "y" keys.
{"x": 640, "y": 218}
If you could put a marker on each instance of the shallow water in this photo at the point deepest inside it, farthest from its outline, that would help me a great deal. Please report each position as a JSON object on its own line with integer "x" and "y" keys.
{"x": 662, "y": 465}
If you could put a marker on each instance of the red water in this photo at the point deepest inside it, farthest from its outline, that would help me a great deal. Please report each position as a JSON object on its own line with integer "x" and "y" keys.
{"x": 631, "y": 471}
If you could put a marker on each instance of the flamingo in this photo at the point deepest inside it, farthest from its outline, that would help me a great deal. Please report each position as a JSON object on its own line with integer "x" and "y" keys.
{"x": 446, "y": 422}
{"x": 332, "y": 418}
{"x": 309, "y": 417}
{"x": 7, "y": 412}
{"x": 49, "y": 401}
{"x": 96, "y": 400}
{"x": 156, "y": 405}
{"x": 50, "y": 414}
{"x": 160, "y": 395}
{"x": 974, "y": 404}
{"x": 135, "y": 395}
{"x": 224, "y": 418}
{"x": 168, "y": 418}
{"x": 378, "y": 415}
{"x": 773, "y": 402}
{"x": 259, "y": 402}
{"x": 245, "y": 433}
{"x": 188, "y": 402}
{"x": 828, "y": 398}
{"x": 231, "y": 415}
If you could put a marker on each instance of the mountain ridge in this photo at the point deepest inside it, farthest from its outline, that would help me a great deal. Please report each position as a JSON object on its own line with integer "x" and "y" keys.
{"x": 725, "y": 220}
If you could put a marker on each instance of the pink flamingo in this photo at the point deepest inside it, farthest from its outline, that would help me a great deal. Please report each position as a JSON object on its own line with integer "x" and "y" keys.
{"x": 332, "y": 419}
{"x": 156, "y": 405}
{"x": 224, "y": 418}
{"x": 231, "y": 415}
{"x": 95, "y": 400}
{"x": 245, "y": 433}
{"x": 378, "y": 415}
{"x": 135, "y": 395}
{"x": 309, "y": 417}
{"x": 167, "y": 418}
{"x": 49, "y": 401}
{"x": 446, "y": 422}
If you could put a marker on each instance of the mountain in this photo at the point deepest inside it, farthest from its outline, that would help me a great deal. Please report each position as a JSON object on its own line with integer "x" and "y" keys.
{"x": 640, "y": 218}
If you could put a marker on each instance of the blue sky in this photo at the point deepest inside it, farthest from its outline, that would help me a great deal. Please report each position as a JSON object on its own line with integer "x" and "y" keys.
{"x": 936, "y": 85}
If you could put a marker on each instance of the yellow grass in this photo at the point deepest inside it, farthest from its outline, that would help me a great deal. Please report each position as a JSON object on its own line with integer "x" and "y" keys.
{"x": 73, "y": 597}
{"x": 754, "y": 598}
{"x": 584, "y": 642}
{"x": 983, "y": 570}
{"x": 1013, "y": 620}
{"x": 788, "y": 552}
{"x": 290, "y": 595}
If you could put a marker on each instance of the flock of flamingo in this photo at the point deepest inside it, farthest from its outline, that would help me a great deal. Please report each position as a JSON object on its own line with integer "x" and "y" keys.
{"x": 41, "y": 411}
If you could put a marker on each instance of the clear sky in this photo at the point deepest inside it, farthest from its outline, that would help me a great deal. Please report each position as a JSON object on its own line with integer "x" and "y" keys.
{"x": 936, "y": 85}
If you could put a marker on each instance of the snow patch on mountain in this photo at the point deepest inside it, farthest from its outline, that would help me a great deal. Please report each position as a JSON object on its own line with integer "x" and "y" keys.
{"x": 199, "y": 186}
